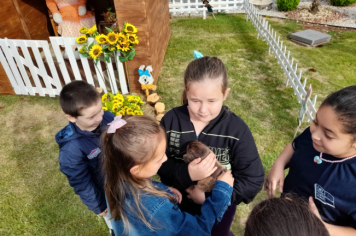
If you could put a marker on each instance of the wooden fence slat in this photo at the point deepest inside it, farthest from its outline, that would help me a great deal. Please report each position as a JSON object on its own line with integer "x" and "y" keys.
{"x": 56, "y": 42}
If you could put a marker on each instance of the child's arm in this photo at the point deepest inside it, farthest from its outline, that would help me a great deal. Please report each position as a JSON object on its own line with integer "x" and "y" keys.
{"x": 80, "y": 179}
{"x": 276, "y": 174}
{"x": 333, "y": 230}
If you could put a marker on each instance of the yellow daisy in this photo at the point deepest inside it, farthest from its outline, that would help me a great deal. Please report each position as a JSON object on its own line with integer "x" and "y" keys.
{"x": 126, "y": 47}
{"x": 121, "y": 112}
{"x": 83, "y": 30}
{"x": 115, "y": 108}
{"x": 120, "y": 104}
{"x": 101, "y": 39}
{"x": 105, "y": 108}
{"x": 112, "y": 37}
{"x": 81, "y": 39}
{"x": 129, "y": 110}
{"x": 104, "y": 97}
{"x": 126, "y": 107}
{"x": 95, "y": 51}
{"x": 111, "y": 48}
{"x": 92, "y": 30}
{"x": 130, "y": 29}
{"x": 121, "y": 38}
{"x": 130, "y": 113}
{"x": 132, "y": 38}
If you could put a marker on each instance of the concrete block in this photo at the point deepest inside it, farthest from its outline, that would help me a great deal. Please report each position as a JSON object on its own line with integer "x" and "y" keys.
{"x": 310, "y": 37}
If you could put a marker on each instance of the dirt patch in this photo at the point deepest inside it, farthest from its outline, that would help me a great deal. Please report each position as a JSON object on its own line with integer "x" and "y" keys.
{"x": 325, "y": 15}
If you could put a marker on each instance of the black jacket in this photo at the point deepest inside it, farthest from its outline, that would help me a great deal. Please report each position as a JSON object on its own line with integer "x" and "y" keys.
{"x": 228, "y": 137}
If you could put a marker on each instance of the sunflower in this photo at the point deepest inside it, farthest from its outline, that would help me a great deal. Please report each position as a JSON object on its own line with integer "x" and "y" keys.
{"x": 130, "y": 29}
{"x": 104, "y": 98}
{"x": 92, "y": 30}
{"x": 130, "y": 113}
{"x": 125, "y": 108}
{"x": 121, "y": 112}
{"x": 129, "y": 110}
{"x": 115, "y": 108}
{"x": 132, "y": 38}
{"x": 83, "y": 30}
{"x": 105, "y": 108}
{"x": 118, "y": 47}
{"x": 121, "y": 38}
{"x": 101, "y": 39}
{"x": 111, "y": 48}
{"x": 82, "y": 49}
{"x": 112, "y": 37}
{"x": 81, "y": 39}
{"x": 95, "y": 51}
{"x": 126, "y": 47}
{"x": 120, "y": 104}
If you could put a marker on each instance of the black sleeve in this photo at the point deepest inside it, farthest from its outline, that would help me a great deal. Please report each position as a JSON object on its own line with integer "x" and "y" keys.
{"x": 173, "y": 173}
{"x": 299, "y": 137}
{"x": 247, "y": 169}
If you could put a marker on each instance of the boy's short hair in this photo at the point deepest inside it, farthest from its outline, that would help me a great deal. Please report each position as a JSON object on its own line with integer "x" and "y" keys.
{"x": 76, "y": 96}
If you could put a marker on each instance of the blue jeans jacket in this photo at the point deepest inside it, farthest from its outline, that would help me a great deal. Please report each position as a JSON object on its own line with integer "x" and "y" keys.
{"x": 167, "y": 219}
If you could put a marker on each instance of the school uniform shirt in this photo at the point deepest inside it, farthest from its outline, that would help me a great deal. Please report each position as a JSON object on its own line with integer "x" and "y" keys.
{"x": 332, "y": 185}
{"x": 228, "y": 137}
{"x": 80, "y": 159}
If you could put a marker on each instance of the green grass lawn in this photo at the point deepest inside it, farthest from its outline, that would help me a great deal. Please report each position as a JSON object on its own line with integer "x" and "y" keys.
{"x": 35, "y": 198}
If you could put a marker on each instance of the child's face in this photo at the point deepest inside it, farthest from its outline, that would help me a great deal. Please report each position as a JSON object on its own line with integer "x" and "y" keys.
{"x": 328, "y": 136}
{"x": 205, "y": 99}
{"x": 90, "y": 117}
{"x": 151, "y": 168}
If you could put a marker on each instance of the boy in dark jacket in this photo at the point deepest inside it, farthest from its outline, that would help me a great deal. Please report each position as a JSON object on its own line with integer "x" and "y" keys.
{"x": 79, "y": 154}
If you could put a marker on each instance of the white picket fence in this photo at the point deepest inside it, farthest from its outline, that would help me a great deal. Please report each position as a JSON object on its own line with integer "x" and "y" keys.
{"x": 276, "y": 46}
{"x": 28, "y": 82}
{"x": 197, "y": 6}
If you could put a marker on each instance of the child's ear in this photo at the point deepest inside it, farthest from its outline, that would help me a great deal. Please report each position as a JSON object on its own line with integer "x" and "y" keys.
{"x": 135, "y": 170}
{"x": 226, "y": 93}
{"x": 71, "y": 118}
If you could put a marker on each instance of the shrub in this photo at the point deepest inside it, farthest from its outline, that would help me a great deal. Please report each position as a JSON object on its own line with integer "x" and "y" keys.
{"x": 342, "y": 2}
{"x": 287, "y": 5}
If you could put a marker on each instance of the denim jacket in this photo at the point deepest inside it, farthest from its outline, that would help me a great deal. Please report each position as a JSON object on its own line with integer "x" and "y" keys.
{"x": 167, "y": 219}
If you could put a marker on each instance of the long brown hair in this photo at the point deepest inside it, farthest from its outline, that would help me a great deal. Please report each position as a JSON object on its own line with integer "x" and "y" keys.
{"x": 281, "y": 217}
{"x": 133, "y": 144}
{"x": 201, "y": 69}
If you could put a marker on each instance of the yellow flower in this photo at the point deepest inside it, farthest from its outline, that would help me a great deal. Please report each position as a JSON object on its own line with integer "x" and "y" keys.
{"x": 121, "y": 38}
{"x": 137, "y": 112}
{"x": 104, "y": 98}
{"x": 83, "y": 30}
{"x": 95, "y": 51}
{"x": 129, "y": 110}
{"x": 101, "y": 39}
{"x": 115, "y": 108}
{"x": 132, "y": 38}
{"x": 130, "y": 113}
{"x": 111, "y": 48}
{"x": 92, "y": 30}
{"x": 126, "y": 47}
{"x": 121, "y": 112}
{"x": 126, "y": 107}
{"x": 105, "y": 108}
{"x": 119, "y": 47}
{"x": 130, "y": 99}
{"x": 81, "y": 39}
{"x": 120, "y": 104}
{"x": 112, "y": 37}
{"x": 82, "y": 49}
{"x": 130, "y": 29}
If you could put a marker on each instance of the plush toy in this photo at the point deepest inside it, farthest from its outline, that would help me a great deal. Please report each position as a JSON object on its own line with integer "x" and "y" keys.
{"x": 146, "y": 79}
{"x": 70, "y": 15}
{"x": 196, "y": 150}
{"x": 209, "y": 7}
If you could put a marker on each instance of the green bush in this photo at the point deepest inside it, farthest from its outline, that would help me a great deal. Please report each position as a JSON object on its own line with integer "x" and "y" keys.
{"x": 287, "y": 5}
{"x": 342, "y": 2}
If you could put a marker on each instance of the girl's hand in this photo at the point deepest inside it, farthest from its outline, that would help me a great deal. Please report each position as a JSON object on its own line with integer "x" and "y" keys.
{"x": 227, "y": 177}
{"x": 176, "y": 192}
{"x": 104, "y": 213}
{"x": 274, "y": 177}
{"x": 199, "y": 170}
{"x": 197, "y": 195}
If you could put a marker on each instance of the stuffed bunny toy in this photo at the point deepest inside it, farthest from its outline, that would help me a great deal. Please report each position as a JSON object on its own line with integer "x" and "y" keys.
{"x": 146, "y": 79}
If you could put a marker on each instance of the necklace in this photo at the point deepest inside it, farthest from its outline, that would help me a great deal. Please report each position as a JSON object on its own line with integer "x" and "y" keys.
{"x": 320, "y": 159}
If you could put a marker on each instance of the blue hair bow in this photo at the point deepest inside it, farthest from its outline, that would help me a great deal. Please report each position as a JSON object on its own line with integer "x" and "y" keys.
{"x": 146, "y": 72}
{"x": 197, "y": 54}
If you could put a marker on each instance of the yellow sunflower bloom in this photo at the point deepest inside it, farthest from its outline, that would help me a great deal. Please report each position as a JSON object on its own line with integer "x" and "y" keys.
{"x": 126, "y": 107}
{"x": 129, "y": 110}
{"x": 95, "y": 51}
{"x": 130, "y": 113}
{"x": 130, "y": 29}
{"x": 112, "y": 37}
{"x": 101, "y": 39}
{"x": 104, "y": 97}
{"x": 137, "y": 112}
{"x": 115, "y": 108}
{"x": 121, "y": 112}
{"x": 132, "y": 38}
{"x": 83, "y": 30}
{"x": 120, "y": 104}
{"x": 130, "y": 99}
{"x": 126, "y": 47}
{"x": 111, "y": 48}
{"x": 105, "y": 108}
{"x": 81, "y": 39}
{"x": 121, "y": 38}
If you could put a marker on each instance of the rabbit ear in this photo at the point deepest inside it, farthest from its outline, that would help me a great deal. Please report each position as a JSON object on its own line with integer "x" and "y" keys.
{"x": 142, "y": 67}
{"x": 149, "y": 68}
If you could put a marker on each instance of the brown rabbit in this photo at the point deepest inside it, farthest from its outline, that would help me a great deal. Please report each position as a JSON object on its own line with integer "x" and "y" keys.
{"x": 196, "y": 150}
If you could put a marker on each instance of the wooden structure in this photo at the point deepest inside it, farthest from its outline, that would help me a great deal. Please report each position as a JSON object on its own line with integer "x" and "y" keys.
{"x": 152, "y": 19}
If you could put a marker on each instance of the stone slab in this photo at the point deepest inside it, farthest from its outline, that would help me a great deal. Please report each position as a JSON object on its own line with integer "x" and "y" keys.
{"x": 311, "y": 37}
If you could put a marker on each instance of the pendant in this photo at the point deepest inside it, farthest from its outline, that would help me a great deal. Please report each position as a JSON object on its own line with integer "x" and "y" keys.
{"x": 317, "y": 160}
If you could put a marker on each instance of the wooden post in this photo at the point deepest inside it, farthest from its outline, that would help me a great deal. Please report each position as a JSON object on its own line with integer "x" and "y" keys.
{"x": 151, "y": 17}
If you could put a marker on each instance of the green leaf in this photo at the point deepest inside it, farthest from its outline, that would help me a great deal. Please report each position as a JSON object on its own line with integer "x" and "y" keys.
{"x": 111, "y": 96}
{"x": 84, "y": 54}
{"x": 109, "y": 30}
{"x": 107, "y": 57}
{"x": 123, "y": 59}
{"x": 96, "y": 61}
{"x": 131, "y": 54}
{"x": 91, "y": 45}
